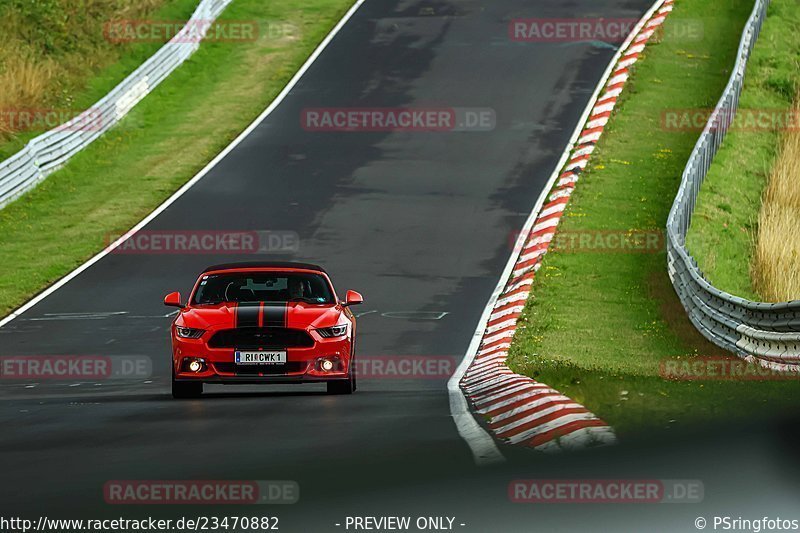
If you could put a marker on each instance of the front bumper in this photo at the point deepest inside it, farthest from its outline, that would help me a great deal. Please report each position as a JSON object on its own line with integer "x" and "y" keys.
{"x": 302, "y": 364}
{"x": 259, "y": 380}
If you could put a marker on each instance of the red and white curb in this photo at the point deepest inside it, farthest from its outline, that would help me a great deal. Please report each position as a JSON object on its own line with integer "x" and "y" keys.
{"x": 518, "y": 409}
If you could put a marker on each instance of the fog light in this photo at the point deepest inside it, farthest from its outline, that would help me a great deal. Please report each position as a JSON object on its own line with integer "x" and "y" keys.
{"x": 326, "y": 365}
{"x": 195, "y": 366}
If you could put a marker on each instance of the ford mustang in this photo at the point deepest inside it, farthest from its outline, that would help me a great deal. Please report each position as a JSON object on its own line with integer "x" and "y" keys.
{"x": 263, "y": 323}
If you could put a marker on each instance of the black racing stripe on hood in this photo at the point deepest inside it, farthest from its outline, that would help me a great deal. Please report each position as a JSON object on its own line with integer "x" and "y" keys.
{"x": 247, "y": 314}
{"x": 274, "y": 315}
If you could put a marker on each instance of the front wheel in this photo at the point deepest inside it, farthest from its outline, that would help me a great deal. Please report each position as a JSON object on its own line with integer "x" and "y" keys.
{"x": 345, "y": 386}
{"x": 186, "y": 389}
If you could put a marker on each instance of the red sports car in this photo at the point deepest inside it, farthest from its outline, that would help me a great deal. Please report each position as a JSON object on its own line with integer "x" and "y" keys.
{"x": 263, "y": 323}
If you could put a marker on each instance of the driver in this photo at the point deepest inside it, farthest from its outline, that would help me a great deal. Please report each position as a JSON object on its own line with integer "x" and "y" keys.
{"x": 296, "y": 288}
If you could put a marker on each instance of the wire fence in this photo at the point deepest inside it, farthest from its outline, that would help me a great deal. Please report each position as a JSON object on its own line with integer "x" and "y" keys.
{"x": 767, "y": 333}
{"x": 47, "y": 152}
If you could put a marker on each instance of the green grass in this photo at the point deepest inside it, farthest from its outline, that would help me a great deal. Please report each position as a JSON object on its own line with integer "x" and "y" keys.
{"x": 55, "y": 55}
{"x": 724, "y": 226}
{"x": 164, "y": 141}
{"x": 599, "y": 325}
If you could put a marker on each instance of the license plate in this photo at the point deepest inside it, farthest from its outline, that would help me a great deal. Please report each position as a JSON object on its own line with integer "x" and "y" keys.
{"x": 260, "y": 358}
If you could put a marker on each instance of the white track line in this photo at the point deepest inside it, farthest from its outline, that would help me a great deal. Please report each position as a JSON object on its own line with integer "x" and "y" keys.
{"x": 180, "y": 192}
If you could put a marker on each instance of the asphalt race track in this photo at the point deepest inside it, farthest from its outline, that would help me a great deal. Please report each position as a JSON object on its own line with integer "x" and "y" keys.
{"x": 418, "y": 222}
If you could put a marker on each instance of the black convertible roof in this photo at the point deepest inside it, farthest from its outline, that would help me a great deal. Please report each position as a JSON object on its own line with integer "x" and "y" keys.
{"x": 265, "y": 264}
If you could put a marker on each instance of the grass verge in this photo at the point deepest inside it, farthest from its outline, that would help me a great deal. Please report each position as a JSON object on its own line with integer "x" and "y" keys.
{"x": 161, "y": 144}
{"x": 55, "y": 56}
{"x": 600, "y": 325}
{"x": 725, "y": 224}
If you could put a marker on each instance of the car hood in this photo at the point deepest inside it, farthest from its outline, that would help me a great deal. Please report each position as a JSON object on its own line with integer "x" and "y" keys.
{"x": 297, "y": 315}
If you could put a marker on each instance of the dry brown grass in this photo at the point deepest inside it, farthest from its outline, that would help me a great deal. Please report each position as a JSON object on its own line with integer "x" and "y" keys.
{"x": 776, "y": 262}
{"x": 26, "y": 82}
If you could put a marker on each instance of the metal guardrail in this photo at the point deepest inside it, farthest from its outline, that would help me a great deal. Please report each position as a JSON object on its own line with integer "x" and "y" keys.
{"x": 47, "y": 152}
{"x": 759, "y": 332}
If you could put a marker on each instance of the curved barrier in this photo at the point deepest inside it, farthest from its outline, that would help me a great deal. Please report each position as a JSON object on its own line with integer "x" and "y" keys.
{"x": 47, "y": 152}
{"x": 759, "y": 332}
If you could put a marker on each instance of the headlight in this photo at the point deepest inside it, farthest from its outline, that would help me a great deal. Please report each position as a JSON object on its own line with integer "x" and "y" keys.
{"x": 335, "y": 331}
{"x": 189, "y": 333}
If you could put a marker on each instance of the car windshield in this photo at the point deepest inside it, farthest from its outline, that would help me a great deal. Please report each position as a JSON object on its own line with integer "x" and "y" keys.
{"x": 263, "y": 287}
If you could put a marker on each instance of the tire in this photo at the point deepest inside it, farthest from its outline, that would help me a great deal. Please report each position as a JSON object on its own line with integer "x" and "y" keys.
{"x": 353, "y": 368}
{"x": 186, "y": 389}
{"x": 344, "y": 386}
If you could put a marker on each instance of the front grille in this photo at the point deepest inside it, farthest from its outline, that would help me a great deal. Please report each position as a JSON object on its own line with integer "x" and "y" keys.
{"x": 250, "y": 370}
{"x": 261, "y": 338}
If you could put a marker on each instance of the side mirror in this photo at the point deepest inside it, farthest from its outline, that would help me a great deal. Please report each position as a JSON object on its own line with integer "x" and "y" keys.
{"x": 352, "y": 298}
{"x": 173, "y": 299}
